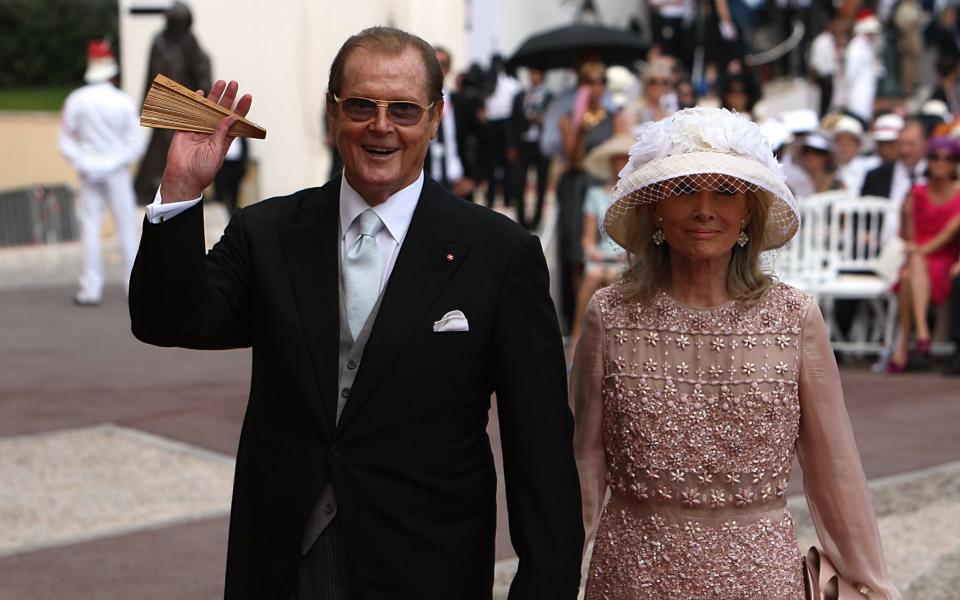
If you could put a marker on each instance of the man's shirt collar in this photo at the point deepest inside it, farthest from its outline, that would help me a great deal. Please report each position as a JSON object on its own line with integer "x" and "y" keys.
{"x": 396, "y": 212}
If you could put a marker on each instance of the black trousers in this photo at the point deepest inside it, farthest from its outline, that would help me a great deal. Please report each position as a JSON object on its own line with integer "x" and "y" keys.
{"x": 825, "y": 83}
{"x": 499, "y": 170}
{"x": 323, "y": 570}
{"x": 530, "y": 156}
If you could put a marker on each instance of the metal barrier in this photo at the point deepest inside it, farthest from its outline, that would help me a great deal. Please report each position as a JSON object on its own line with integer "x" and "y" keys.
{"x": 38, "y": 215}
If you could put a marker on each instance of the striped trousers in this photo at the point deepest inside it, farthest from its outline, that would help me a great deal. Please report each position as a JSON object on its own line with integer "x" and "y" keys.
{"x": 323, "y": 571}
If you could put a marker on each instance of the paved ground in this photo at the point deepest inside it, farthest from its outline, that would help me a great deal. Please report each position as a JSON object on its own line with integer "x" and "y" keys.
{"x": 116, "y": 457}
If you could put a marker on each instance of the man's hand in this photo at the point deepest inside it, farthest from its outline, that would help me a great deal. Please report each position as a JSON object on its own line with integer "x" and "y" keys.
{"x": 195, "y": 158}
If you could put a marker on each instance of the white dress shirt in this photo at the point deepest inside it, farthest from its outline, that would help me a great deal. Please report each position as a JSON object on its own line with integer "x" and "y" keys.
{"x": 499, "y": 105}
{"x": 396, "y": 213}
{"x": 860, "y": 73}
{"x": 823, "y": 54}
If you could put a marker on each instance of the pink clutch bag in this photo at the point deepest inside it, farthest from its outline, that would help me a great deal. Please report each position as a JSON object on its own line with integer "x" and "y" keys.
{"x": 822, "y": 582}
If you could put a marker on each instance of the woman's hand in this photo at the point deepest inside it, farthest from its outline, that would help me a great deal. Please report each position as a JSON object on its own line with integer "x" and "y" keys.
{"x": 195, "y": 158}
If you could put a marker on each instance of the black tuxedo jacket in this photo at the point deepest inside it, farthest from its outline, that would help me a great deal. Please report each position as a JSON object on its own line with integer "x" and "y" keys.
{"x": 410, "y": 460}
{"x": 878, "y": 182}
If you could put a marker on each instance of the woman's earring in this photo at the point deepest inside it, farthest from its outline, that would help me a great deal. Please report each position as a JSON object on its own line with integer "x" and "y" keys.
{"x": 742, "y": 239}
{"x": 658, "y": 237}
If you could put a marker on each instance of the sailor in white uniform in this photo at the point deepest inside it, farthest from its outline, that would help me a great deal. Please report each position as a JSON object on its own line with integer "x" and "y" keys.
{"x": 100, "y": 136}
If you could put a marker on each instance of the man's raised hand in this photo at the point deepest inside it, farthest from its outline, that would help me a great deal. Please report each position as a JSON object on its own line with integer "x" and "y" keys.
{"x": 195, "y": 158}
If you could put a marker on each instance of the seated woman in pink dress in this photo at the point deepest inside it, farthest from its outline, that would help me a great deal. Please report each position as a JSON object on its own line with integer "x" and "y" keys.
{"x": 925, "y": 279}
{"x": 698, "y": 378}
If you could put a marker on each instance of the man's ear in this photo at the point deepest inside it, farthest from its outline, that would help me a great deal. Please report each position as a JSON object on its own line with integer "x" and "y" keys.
{"x": 437, "y": 111}
{"x": 330, "y": 114}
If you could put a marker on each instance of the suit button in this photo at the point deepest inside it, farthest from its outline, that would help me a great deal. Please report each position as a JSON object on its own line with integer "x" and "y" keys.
{"x": 345, "y": 392}
{"x": 329, "y": 509}
{"x": 351, "y": 364}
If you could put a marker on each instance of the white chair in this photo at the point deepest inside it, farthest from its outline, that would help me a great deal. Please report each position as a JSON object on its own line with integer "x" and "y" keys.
{"x": 802, "y": 263}
{"x": 854, "y": 241}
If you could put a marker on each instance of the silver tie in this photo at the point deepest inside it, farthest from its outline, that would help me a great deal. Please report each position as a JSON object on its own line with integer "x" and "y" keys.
{"x": 362, "y": 271}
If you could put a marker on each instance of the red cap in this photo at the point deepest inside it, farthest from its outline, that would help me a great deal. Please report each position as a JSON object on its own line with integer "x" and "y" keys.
{"x": 864, "y": 13}
{"x": 101, "y": 66}
{"x": 98, "y": 49}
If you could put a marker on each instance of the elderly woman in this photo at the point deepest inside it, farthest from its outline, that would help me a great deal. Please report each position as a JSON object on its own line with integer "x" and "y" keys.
{"x": 697, "y": 379}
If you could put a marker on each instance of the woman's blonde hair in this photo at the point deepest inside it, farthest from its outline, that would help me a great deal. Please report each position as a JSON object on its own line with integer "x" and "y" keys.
{"x": 649, "y": 269}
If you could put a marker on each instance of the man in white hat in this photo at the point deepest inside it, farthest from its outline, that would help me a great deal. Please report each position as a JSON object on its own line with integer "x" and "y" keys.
{"x": 886, "y": 130}
{"x": 861, "y": 68}
{"x": 100, "y": 136}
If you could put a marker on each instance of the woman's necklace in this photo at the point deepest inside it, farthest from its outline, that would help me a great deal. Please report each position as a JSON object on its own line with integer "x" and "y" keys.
{"x": 592, "y": 117}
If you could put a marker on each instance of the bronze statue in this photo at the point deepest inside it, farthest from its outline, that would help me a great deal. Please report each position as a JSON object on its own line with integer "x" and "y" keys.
{"x": 177, "y": 54}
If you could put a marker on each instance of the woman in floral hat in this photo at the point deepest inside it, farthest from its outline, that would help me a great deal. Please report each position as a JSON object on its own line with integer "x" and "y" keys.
{"x": 698, "y": 378}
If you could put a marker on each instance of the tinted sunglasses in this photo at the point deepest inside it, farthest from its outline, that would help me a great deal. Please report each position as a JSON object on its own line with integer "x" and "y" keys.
{"x": 944, "y": 157}
{"x": 658, "y": 82}
{"x": 401, "y": 112}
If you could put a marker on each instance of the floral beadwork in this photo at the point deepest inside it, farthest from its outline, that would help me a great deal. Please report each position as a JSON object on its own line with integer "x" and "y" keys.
{"x": 701, "y": 415}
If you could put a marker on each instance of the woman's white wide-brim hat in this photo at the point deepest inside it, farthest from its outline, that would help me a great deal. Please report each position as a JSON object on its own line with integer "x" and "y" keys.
{"x": 703, "y": 142}
{"x": 597, "y": 162}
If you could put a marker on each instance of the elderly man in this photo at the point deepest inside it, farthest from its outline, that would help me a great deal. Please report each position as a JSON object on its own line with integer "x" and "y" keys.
{"x": 383, "y": 312}
{"x": 894, "y": 180}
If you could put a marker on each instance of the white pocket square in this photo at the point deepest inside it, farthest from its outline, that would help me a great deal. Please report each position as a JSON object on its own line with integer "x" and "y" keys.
{"x": 452, "y": 321}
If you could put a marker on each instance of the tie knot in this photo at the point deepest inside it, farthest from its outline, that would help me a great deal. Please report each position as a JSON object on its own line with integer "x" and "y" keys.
{"x": 370, "y": 223}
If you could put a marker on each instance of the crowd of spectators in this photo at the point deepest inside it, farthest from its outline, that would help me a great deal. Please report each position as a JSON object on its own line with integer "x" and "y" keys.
{"x": 886, "y": 81}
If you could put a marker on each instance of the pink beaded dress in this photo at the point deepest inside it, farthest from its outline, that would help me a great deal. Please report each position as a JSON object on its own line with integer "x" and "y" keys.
{"x": 690, "y": 418}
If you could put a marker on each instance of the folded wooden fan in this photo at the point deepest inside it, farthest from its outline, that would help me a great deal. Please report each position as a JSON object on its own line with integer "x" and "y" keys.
{"x": 169, "y": 105}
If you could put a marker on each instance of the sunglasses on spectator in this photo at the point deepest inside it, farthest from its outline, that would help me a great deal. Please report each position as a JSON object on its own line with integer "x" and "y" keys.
{"x": 595, "y": 81}
{"x": 945, "y": 157}
{"x": 658, "y": 82}
{"x": 401, "y": 112}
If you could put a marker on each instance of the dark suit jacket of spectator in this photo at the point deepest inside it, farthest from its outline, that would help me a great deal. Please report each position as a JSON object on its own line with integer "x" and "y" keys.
{"x": 878, "y": 181}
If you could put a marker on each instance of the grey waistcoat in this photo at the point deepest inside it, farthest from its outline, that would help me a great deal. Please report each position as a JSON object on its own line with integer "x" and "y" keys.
{"x": 350, "y": 355}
